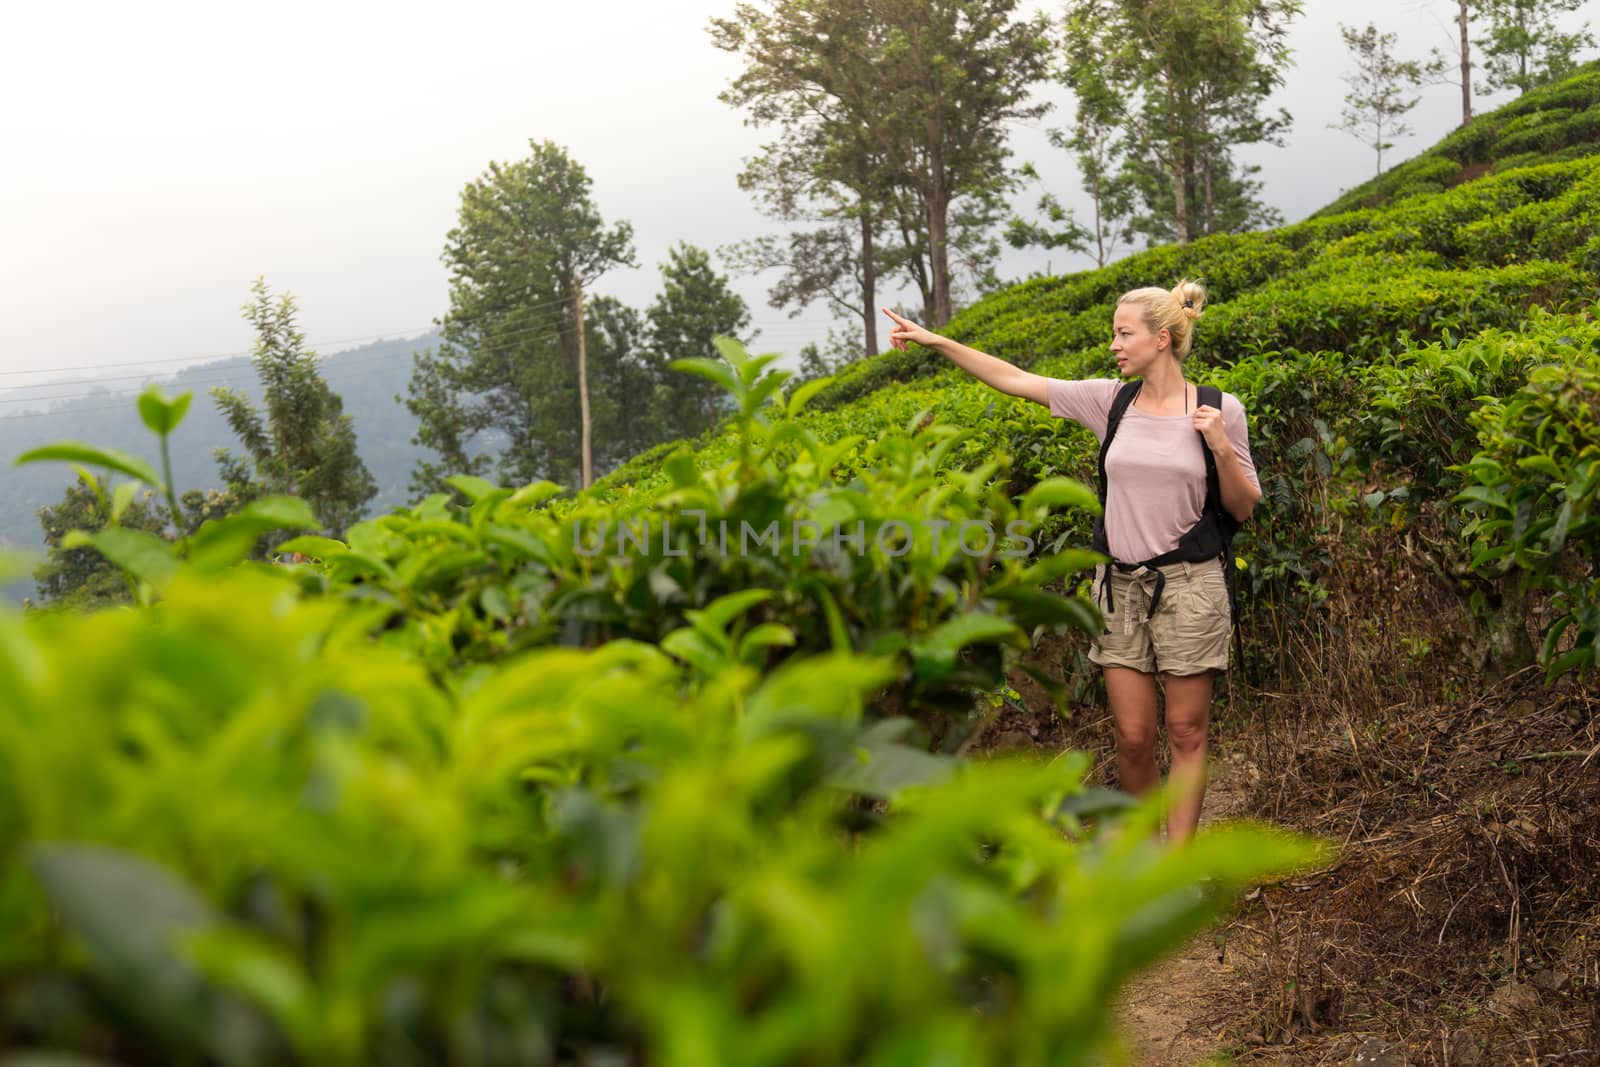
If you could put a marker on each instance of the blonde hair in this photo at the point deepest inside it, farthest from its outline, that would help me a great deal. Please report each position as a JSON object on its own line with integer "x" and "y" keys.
{"x": 1173, "y": 311}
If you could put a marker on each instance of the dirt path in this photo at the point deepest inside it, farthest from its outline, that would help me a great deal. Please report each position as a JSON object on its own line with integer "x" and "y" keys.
{"x": 1168, "y": 1014}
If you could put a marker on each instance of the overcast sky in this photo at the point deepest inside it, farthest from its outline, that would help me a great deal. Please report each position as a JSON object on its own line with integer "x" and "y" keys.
{"x": 158, "y": 156}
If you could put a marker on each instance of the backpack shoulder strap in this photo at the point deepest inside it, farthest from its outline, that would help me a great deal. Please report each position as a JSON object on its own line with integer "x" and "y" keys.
{"x": 1119, "y": 407}
{"x": 1210, "y": 396}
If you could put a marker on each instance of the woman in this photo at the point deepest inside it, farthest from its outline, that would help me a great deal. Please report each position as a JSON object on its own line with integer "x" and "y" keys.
{"x": 1170, "y": 620}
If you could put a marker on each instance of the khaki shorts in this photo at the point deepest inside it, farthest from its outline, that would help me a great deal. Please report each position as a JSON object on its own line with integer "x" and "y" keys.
{"x": 1189, "y": 632}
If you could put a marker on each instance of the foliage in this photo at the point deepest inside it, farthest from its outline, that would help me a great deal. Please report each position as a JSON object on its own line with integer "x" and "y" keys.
{"x": 425, "y": 839}
{"x": 1524, "y": 47}
{"x": 882, "y": 106}
{"x": 307, "y": 445}
{"x": 213, "y": 534}
{"x": 81, "y": 578}
{"x": 1193, "y": 78}
{"x": 1533, "y": 491}
{"x": 527, "y": 236}
{"x": 907, "y": 556}
{"x": 1376, "y": 105}
{"x": 696, "y": 305}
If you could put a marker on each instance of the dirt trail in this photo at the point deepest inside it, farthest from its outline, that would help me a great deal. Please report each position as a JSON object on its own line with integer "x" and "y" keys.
{"x": 1167, "y": 1015}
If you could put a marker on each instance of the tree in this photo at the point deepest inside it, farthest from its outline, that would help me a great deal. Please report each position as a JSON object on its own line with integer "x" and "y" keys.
{"x": 1465, "y": 57}
{"x": 1376, "y": 105}
{"x": 528, "y": 237}
{"x": 626, "y": 379}
{"x": 446, "y": 424}
{"x": 956, "y": 71}
{"x": 82, "y": 578}
{"x": 1097, "y": 143}
{"x": 305, "y": 445}
{"x": 695, "y": 306}
{"x": 825, "y": 171}
{"x": 833, "y": 264}
{"x": 1097, "y": 138}
{"x": 1193, "y": 77}
{"x": 1525, "y": 47}
{"x": 894, "y": 111}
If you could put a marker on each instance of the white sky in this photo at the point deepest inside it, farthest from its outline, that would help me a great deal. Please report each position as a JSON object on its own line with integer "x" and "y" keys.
{"x": 157, "y": 157}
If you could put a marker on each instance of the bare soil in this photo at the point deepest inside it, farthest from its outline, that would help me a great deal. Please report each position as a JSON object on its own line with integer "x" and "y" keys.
{"x": 1459, "y": 927}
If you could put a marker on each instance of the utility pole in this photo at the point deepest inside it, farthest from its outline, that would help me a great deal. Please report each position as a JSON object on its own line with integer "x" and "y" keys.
{"x": 1466, "y": 66}
{"x": 583, "y": 381}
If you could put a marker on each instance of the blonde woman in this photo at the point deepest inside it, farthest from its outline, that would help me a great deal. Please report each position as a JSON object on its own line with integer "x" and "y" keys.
{"x": 1176, "y": 476}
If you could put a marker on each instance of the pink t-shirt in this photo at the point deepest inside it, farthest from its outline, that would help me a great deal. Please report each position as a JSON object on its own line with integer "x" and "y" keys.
{"x": 1155, "y": 471}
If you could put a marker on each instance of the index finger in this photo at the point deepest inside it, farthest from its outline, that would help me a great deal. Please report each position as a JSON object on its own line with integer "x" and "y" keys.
{"x": 895, "y": 317}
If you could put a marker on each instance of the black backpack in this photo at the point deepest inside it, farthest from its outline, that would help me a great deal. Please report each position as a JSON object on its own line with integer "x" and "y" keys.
{"x": 1210, "y": 538}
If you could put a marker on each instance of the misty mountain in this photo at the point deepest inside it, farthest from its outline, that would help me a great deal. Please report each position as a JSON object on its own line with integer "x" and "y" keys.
{"x": 102, "y": 411}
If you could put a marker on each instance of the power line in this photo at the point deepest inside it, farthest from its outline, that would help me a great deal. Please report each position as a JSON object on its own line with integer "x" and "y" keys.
{"x": 215, "y": 356}
{"x": 245, "y": 352}
{"x": 128, "y": 390}
{"x": 788, "y": 331}
{"x": 194, "y": 359}
{"x": 498, "y": 347}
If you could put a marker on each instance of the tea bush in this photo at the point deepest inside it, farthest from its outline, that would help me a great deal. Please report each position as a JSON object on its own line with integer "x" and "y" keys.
{"x": 1531, "y": 491}
{"x": 370, "y": 810}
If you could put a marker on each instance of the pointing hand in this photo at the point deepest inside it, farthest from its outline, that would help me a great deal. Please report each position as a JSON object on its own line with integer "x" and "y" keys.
{"x": 905, "y": 331}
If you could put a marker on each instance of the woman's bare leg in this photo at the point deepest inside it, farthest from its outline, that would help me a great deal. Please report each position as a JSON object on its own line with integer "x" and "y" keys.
{"x": 1188, "y": 716}
{"x": 1132, "y": 695}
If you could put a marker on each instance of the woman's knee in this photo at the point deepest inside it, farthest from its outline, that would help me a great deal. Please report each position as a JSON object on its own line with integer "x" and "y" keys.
{"x": 1187, "y": 734}
{"x": 1135, "y": 740}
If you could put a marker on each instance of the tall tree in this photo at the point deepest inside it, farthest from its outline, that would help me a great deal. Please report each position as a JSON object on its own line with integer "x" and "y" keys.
{"x": 1097, "y": 139}
{"x": 1195, "y": 76}
{"x": 82, "y": 578}
{"x": 825, "y": 171}
{"x": 1461, "y": 45}
{"x": 528, "y": 237}
{"x": 626, "y": 381}
{"x": 303, "y": 443}
{"x": 1377, "y": 103}
{"x": 899, "y": 108}
{"x": 696, "y": 305}
{"x": 1524, "y": 45}
{"x": 955, "y": 73}
{"x": 1097, "y": 143}
{"x": 446, "y": 424}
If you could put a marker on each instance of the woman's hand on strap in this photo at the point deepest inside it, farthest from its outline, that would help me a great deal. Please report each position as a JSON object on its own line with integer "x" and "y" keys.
{"x": 1208, "y": 421}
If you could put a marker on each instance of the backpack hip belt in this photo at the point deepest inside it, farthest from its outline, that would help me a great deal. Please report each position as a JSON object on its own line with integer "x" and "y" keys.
{"x": 1207, "y": 539}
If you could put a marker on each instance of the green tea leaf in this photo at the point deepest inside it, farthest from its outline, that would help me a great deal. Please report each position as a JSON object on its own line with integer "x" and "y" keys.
{"x": 109, "y": 458}
{"x": 161, "y": 415}
{"x": 1061, "y": 493}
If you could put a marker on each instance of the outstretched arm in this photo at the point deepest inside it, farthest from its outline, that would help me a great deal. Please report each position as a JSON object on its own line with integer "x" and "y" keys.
{"x": 990, "y": 370}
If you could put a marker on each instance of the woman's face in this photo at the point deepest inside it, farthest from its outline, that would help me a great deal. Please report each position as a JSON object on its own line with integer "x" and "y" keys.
{"x": 1132, "y": 343}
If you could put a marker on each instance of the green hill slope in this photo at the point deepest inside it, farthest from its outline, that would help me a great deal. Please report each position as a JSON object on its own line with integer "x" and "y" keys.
{"x": 1360, "y": 340}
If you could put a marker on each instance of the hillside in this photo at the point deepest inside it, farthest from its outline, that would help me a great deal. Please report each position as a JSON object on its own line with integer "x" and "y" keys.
{"x": 1421, "y": 364}
{"x": 367, "y": 379}
{"x": 1439, "y": 262}
{"x": 478, "y": 785}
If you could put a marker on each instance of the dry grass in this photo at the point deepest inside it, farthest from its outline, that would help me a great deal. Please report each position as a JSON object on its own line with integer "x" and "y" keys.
{"x": 1462, "y": 920}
